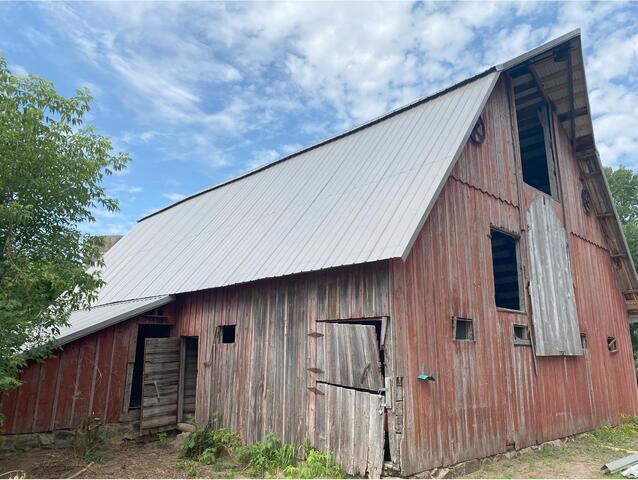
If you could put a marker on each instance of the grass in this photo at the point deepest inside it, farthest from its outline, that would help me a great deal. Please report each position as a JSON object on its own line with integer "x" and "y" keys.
{"x": 218, "y": 452}
{"x": 579, "y": 457}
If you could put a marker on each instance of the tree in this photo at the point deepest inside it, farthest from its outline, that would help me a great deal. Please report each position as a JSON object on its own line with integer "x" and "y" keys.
{"x": 624, "y": 188}
{"x": 51, "y": 173}
{"x": 623, "y": 183}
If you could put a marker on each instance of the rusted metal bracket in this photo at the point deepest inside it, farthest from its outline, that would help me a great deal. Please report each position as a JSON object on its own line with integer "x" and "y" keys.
{"x": 316, "y": 391}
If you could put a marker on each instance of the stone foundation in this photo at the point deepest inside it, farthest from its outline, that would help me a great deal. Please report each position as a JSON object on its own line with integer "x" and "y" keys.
{"x": 64, "y": 438}
{"x": 470, "y": 466}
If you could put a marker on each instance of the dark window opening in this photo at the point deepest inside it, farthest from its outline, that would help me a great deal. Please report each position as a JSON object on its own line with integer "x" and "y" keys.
{"x": 144, "y": 331}
{"x": 583, "y": 341}
{"x": 506, "y": 271}
{"x": 533, "y": 121}
{"x": 226, "y": 334}
{"x": 612, "y": 346}
{"x": 463, "y": 328}
{"x": 189, "y": 386}
{"x": 521, "y": 335}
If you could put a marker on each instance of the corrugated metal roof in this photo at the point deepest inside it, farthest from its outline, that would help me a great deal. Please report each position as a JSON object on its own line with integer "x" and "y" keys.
{"x": 357, "y": 199}
{"x": 85, "y": 322}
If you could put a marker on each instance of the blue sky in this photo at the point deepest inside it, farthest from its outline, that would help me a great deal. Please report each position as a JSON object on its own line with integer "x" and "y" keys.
{"x": 200, "y": 92}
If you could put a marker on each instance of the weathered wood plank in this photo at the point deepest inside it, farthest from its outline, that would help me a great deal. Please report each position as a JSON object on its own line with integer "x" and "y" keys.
{"x": 161, "y": 383}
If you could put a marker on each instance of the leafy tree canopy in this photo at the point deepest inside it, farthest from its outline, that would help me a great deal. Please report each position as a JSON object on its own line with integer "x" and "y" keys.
{"x": 51, "y": 173}
{"x": 624, "y": 188}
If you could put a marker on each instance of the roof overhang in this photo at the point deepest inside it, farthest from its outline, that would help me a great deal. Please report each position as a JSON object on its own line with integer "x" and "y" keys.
{"x": 559, "y": 68}
{"x": 85, "y": 322}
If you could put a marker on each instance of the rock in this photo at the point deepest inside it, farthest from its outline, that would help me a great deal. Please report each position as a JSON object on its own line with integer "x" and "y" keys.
{"x": 63, "y": 438}
{"x": 25, "y": 442}
{"x": 441, "y": 473}
{"x": 46, "y": 440}
{"x": 180, "y": 438}
{"x": 186, "y": 427}
{"x": 472, "y": 466}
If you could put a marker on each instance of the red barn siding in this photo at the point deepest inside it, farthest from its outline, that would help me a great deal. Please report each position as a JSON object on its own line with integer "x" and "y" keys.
{"x": 85, "y": 377}
{"x": 490, "y": 394}
{"x": 260, "y": 383}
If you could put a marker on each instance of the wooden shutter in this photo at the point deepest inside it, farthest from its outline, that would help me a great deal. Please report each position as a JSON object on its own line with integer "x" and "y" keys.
{"x": 161, "y": 384}
{"x": 348, "y": 355}
{"x": 554, "y": 316}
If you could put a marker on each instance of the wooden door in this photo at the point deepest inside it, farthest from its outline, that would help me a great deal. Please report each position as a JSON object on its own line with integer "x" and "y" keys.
{"x": 350, "y": 399}
{"x": 161, "y": 384}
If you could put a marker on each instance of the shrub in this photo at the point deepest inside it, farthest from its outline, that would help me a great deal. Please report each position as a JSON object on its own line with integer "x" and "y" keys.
{"x": 316, "y": 465}
{"x": 207, "y": 444}
{"x": 269, "y": 455}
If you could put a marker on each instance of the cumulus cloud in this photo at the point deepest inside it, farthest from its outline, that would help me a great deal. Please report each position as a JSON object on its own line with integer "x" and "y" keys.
{"x": 222, "y": 84}
{"x": 174, "y": 196}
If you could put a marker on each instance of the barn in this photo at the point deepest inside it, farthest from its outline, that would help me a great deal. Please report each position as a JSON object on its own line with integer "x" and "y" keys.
{"x": 447, "y": 282}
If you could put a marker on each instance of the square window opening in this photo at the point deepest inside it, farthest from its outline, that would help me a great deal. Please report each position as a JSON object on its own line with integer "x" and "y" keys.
{"x": 583, "y": 341}
{"x": 533, "y": 121}
{"x": 226, "y": 334}
{"x": 505, "y": 266}
{"x": 463, "y": 329}
{"x": 612, "y": 345}
{"x": 521, "y": 335}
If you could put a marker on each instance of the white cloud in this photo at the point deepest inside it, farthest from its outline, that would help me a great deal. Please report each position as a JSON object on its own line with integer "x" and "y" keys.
{"x": 117, "y": 188}
{"x": 262, "y": 157}
{"x": 174, "y": 196}
{"x": 234, "y": 73}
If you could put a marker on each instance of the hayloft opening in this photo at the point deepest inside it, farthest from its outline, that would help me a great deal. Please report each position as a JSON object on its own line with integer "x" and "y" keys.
{"x": 505, "y": 266}
{"x": 533, "y": 120}
{"x": 144, "y": 331}
{"x": 226, "y": 334}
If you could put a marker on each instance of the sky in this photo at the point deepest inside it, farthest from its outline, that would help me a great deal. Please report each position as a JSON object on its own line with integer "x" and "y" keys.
{"x": 200, "y": 92}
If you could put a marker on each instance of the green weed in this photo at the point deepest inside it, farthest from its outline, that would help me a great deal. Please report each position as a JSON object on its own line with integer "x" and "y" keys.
{"x": 92, "y": 456}
{"x": 269, "y": 455}
{"x": 162, "y": 438}
{"x": 189, "y": 467}
{"x": 316, "y": 465}
{"x": 209, "y": 444}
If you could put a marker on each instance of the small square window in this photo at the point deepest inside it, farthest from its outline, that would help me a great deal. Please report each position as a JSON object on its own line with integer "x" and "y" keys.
{"x": 521, "y": 335}
{"x": 226, "y": 334}
{"x": 583, "y": 341}
{"x": 463, "y": 328}
{"x": 612, "y": 346}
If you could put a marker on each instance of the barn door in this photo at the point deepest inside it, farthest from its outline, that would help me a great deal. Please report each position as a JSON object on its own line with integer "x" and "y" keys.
{"x": 349, "y": 397}
{"x": 161, "y": 384}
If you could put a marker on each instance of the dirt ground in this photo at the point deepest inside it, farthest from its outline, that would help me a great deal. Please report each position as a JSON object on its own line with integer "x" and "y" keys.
{"x": 581, "y": 457}
{"x": 130, "y": 459}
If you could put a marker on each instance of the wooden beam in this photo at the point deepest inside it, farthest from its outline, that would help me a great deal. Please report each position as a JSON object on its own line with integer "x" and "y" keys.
{"x": 579, "y": 112}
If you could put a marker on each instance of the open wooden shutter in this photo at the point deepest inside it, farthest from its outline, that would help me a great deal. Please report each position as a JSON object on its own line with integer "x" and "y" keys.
{"x": 161, "y": 384}
{"x": 348, "y": 355}
{"x": 551, "y": 286}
